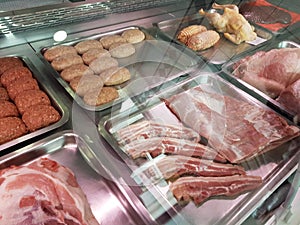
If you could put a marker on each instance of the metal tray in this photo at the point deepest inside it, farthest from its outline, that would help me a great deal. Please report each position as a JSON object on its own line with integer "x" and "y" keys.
{"x": 228, "y": 69}
{"x": 65, "y": 147}
{"x": 155, "y": 62}
{"x": 55, "y": 102}
{"x": 273, "y": 166}
{"x": 220, "y": 52}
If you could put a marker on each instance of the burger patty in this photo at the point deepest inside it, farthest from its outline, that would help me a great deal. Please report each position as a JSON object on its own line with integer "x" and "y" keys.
{"x": 13, "y": 74}
{"x": 29, "y": 98}
{"x": 39, "y": 116}
{"x": 9, "y": 62}
{"x": 20, "y": 85}
{"x": 7, "y": 109}
{"x": 11, "y": 128}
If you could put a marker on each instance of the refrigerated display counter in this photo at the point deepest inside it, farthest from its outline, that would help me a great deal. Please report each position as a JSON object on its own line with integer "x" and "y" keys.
{"x": 202, "y": 130}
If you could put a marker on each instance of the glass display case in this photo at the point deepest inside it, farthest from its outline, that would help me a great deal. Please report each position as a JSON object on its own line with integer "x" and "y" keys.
{"x": 168, "y": 111}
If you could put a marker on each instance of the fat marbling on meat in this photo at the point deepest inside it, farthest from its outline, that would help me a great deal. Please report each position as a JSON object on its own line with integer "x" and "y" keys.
{"x": 174, "y": 166}
{"x": 42, "y": 192}
{"x": 146, "y": 128}
{"x": 199, "y": 189}
{"x": 170, "y": 146}
{"x": 237, "y": 129}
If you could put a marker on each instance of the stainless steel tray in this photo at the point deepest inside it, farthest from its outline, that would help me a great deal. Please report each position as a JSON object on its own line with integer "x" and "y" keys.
{"x": 273, "y": 166}
{"x": 220, "y": 52}
{"x": 106, "y": 202}
{"x": 55, "y": 102}
{"x": 154, "y": 63}
{"x": 227, "y": 68}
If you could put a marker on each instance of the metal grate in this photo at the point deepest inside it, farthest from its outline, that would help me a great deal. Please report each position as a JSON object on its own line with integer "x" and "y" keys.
{"x": 67, "y": 15}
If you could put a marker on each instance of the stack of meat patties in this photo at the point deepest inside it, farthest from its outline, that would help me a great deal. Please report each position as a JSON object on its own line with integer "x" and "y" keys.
{"x": 24, "y": 107}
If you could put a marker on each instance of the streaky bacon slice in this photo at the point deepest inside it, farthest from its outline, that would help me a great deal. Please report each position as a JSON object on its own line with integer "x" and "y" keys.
{"x": 170, "y": 146}
{"x": 199, "y": 189}
{"x": 174, "y": 166}
{"x": 146, "y": 129}
{"x": 236, "y": 129}
{"x": 42, "y": 192}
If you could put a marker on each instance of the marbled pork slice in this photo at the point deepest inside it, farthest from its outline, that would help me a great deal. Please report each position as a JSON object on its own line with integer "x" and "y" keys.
{"x": 43, "y": 192}
{"x": 199, "y": 189}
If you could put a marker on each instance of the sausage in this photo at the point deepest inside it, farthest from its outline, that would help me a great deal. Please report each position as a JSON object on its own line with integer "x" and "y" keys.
{"x": 39, "y": 116}
{"x": 29, "y": 98}
{"x": 11, "y": 128}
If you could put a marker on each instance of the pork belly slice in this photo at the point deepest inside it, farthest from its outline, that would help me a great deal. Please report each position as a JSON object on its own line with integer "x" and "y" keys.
{"x": 43, "y": 192}
{"x": 170, "y": 146}
{"x": 147, "y": 129}
{"x": 199, "y": 189}
{"x": 174, "y": 166}
{"x": 236, "y": 129}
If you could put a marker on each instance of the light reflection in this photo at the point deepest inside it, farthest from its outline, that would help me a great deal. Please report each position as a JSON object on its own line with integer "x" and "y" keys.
{"x": 60, "y": 35}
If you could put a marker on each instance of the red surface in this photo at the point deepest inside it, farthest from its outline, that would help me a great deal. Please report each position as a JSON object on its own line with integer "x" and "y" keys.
{"x": 276, "y": 26}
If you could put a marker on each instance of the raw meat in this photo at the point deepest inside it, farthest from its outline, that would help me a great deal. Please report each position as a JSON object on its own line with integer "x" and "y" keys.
{"x": 43, "y": 192}
{"x": 146, "y": 129}
{"x": 236, "y": 129}
{"x": 158, "y": 145}
{"x": 174, "y": 166}
{"x": 270, "y": 72}
{"x": 198, "y": 189}
{"x": 290, "y": 97}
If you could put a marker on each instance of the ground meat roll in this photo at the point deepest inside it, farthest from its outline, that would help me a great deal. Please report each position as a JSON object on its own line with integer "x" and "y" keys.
{"x": 13, "y": 74}
{"x": 29, "y": 98}
{"x": 11, "y": 128}
{"x": 39, "y": 116}
{"x": 7, "y": 109}
{"x": 20, "y": 85}
{"x": 3, "y": 94}
{"x": 9, "y": 62}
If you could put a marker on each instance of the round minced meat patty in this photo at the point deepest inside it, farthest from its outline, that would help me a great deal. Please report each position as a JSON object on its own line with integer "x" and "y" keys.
{"x": 39, "y": 116}
{"x": 29, "y": 98}
{"x": 3, "y": 94}
{"x": 13, "y": 74}
{"x": 7, "y": 109}
{"x": 9, "y": 62}
{"x": 20, "y": 85}
{"x": 11, "y": 128}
